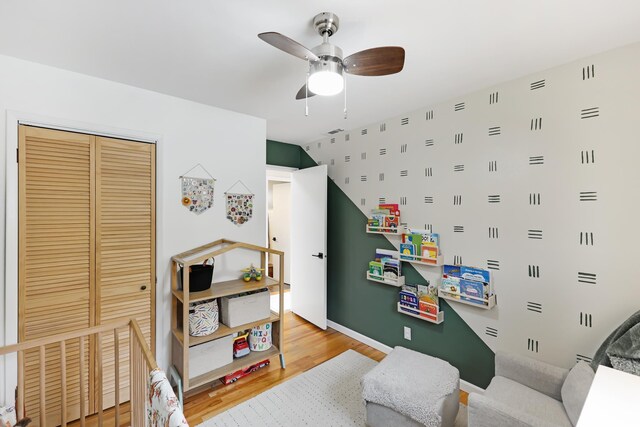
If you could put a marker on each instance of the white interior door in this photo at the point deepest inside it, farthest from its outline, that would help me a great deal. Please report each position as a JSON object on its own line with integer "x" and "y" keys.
{"x": 280, "y": 227}
{"x": 309, "y": 244}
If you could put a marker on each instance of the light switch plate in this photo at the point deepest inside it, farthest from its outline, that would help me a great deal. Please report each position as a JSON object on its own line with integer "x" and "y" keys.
{"x": 407, "y": 333}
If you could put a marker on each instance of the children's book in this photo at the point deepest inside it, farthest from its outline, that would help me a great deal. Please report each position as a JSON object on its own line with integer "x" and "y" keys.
{"x": 428, "y": 301}
{"x": 375, "y": 269}
{"x": 451, "y": 270}
{"x": 392, "y": 207}
{"x": 391, "y": 221}
{"x": 391, "y": 268}
{"x": 385, "y": 253}
{"x": 429, "y": 251}
{"x": 470, "y": 288}
{"x": 409, "y": 300}
{"x": 450, "y": 285}
{"x": 373, "y": 222}
{"x": 407, "y": 249}
{"x": 474, "y": 273}
{"x": 380, "y": 212}
{"x": 416, "y": 240}
{"x": 427, "y": 236}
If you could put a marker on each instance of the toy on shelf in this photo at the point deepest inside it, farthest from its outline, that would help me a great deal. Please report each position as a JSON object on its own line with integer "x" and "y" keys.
{"x": 240, "y": 346}
{"x": 252, "y": 273}
{"x": 232, "y": 378}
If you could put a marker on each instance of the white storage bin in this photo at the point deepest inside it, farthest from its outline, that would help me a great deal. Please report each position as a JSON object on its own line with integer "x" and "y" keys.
{"x": 212, "y": 355}
{"x": 238, "y": 310}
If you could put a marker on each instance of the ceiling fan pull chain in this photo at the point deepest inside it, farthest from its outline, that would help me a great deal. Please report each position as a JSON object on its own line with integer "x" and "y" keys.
{"x": 345, "y": 99}
{"x": 306, "y": 90}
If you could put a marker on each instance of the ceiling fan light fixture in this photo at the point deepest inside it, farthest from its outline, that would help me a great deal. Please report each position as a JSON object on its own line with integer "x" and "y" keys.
{"x": 326, "y": 78}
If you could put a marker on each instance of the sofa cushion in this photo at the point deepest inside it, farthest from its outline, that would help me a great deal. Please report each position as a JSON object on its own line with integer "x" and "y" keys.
{"x": 575, "y": 389}
{"x": 545, "y": 408}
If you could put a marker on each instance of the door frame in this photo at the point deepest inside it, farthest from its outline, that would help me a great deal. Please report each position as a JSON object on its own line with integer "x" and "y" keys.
{"x": 9, "y": 300}
{"x": 274, "y": 173}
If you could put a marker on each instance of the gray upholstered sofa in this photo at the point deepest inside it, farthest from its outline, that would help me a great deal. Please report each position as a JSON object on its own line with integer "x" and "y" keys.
{"x": 527, "y": 392}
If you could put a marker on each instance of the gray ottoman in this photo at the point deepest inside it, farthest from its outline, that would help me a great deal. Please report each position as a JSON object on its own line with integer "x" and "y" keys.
{"x": 411, "y": 389}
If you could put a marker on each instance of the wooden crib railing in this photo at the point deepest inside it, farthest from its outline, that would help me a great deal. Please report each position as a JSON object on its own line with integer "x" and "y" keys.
{"x": 56, "y": 409}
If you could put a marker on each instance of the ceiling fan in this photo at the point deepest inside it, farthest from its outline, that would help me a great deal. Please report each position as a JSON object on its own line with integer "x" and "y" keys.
{"x": 326, "y": 63}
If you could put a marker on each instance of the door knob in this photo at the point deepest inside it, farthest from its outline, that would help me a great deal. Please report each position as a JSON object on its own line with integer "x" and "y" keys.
{"x": 274, "y": 239}
{"x": 143, "y": 287}
{"x": 319, "y": 255}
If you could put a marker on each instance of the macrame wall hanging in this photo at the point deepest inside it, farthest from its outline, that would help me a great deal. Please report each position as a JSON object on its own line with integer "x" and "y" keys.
{"x": 239, "y": 205}
{"x": 197, "y": 193}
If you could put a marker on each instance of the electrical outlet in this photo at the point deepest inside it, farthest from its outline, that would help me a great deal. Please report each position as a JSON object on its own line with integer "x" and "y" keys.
{"x": 407, "y": 333}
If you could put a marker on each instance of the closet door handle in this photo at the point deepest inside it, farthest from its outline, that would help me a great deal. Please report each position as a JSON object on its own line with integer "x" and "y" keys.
{"x": 143, "y": 287}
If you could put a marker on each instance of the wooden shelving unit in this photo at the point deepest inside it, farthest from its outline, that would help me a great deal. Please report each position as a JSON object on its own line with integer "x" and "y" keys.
{"x": 487, "y": 304}
{"x": 440, "y": 318}
{"x": 181, "y": 298}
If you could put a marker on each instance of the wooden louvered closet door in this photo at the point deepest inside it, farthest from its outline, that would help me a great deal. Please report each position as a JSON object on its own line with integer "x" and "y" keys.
{"x": 86, "y": 257}
{"x": 125, "y": 248}
{"x": 56, "y": 259}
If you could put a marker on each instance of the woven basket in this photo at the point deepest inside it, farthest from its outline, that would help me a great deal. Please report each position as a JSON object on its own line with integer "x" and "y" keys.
{"x": 203, "y": 318}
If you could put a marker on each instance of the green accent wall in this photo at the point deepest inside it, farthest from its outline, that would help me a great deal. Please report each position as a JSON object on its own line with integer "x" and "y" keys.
{"x": 370, "y": 308}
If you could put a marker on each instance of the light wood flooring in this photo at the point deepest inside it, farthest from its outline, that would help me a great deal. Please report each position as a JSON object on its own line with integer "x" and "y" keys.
{"x": 306, "y": 346}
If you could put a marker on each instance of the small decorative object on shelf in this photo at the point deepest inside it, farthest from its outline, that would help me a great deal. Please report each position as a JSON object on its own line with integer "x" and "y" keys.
{"x": 386, "y": 268}
{"x": 260, "y": 337}
{"x": 467, "y": 285}
{"x": 385, "y": 220}
{"x": 420, "y": 301}
{"x": 240, "y": 346}
{"x": 252, "y": 273}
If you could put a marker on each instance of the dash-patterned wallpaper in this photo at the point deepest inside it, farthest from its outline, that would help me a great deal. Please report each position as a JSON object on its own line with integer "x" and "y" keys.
{"x": 535, "y": 179}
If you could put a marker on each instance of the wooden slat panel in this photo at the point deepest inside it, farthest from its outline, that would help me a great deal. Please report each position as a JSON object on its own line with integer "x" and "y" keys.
{"x": 56, "y": 196}
{"x": 125, "y": 251}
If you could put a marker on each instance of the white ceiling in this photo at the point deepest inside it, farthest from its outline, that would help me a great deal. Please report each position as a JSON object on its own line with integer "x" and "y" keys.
{"x": 208, "y": 51}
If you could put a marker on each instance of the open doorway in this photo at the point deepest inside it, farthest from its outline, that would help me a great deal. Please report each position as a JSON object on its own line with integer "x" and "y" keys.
{"x": 279, "y": 226}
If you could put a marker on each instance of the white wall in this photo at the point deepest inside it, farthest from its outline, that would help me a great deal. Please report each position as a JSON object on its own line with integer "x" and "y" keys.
{"x": 231, "y": 146}
{"x": 424, "y": 144}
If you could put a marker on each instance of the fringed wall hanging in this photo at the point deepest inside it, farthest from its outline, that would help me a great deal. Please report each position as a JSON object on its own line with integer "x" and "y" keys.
{"x": 197, "y": 193}
{"x": 239, "y": 205}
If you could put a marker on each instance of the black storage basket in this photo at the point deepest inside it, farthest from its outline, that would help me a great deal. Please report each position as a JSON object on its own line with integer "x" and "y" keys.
{"x": 200, "y": 276}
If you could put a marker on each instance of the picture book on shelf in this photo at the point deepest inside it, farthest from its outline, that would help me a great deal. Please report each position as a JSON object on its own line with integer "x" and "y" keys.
{"x": 429, "y": 251}
{"x": 409, "y": 300}
{"x": 427, "y": 236}
{"x": 375, "y": 269}
{"x": 407, "y": 249}
{"x": 451, "y": 270}
{"x": 391, "y": 221}
{"x": 428, "y": 301}
{"x": 474, "y": 273}
{"x": 471, "y": 290}
{"x": 391, "y": 268}
{"x": 385, "y": 253}
{"x": 391, "y": 207}
{"x": 450, "y": 285}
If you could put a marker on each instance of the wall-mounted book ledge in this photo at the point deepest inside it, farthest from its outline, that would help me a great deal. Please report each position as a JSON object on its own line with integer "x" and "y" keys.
{"x": 397, "y": 282}
{"x": 417, "y": 259}
{"x": 436, "y": 317}
{"x": 484, "y": 303}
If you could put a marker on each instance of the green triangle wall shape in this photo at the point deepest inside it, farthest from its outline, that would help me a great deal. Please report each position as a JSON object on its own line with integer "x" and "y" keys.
{"x": 370, "y": 308}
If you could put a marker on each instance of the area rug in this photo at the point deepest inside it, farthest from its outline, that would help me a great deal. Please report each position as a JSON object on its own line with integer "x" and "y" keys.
{"x": 329, "y": 394}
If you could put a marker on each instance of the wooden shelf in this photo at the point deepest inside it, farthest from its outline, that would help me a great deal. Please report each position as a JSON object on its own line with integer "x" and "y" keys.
{"x": 415, "y": 259}
{"x": 385, "y": 230}
{"x": 184, "y": 347}
{"x": 385, "y": 280}
{"x": 437, "y": 321}
{"x": 487, "y": 304}
{"x": 230, "y": 287}
{"x": 237, "y": 364}
{"x": 223, "y": 331}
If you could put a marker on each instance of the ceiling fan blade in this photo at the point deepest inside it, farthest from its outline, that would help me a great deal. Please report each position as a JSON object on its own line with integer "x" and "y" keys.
{"x": 378, "y": 61}
{"x": 304, "y": 93}
{"x": 285, "y": 44}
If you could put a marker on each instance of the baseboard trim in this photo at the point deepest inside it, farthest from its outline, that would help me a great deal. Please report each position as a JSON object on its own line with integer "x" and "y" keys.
{"x": 464, "y": 385}
{"x": 358, "y": 336}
